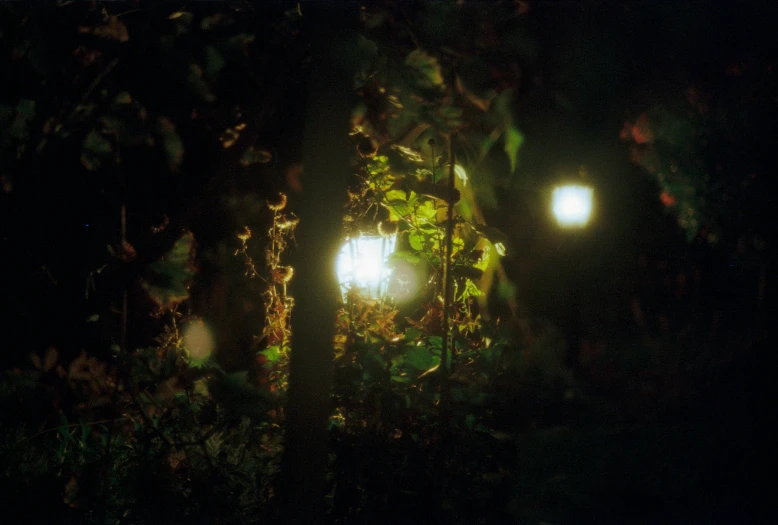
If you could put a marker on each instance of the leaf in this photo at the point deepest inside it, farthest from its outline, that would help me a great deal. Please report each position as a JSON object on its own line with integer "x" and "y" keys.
{"x": 95, "y": 150}
{"x": 241, "y": 41}
{"x": 194, "y": 79}
{"x": 411, "y": 154}
{"x": 461, "y": 174}
{"x": 421, "y": 358}
{"x": 112, "y": 29}
{"x": 406, "y": 256}
{"x": 513, "y": 141}
{"x": 253, "y": 155}
{"x": 171, "y": 143}
{"x": 416, "y": 240}
{"x": 412, "y": 334}
{"x": 122, "y": 98}
{"x": 214, "y": 21}
{"x": 272, "y": 353}
{"x": 426, "y": 69}
{"x": 168, "y": 283}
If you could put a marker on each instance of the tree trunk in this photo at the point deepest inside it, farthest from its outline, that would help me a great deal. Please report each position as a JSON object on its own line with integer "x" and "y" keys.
{"x": 319, "y": 204}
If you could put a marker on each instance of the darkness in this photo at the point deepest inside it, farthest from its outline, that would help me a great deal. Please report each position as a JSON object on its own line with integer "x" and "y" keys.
{"x": 646, "y": 396}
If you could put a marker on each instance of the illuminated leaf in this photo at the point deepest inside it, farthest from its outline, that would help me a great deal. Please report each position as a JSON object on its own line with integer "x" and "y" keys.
{"x": 272, "y": 353}
{"x": 416, "y": 240}
{"x": 426, "y": 69}
{"x": 169, "y": 279}
{"x": 461, "y": 174}
{"x": 253, "y": 155}
{"x": 409, "y": 153}
{"x": 513, "y": 141}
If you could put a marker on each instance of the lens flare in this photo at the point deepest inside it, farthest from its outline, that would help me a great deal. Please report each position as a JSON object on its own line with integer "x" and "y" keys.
{"x": 198, "y": 339}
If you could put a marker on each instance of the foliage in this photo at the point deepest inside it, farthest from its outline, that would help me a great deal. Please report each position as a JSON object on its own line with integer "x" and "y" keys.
{"x": 117, "y": 107}
{"x": 396, "y": 405}
{"x": 706, "y": 150}
{"x": 272, "y": 358}
{"x": 121, "y": 437}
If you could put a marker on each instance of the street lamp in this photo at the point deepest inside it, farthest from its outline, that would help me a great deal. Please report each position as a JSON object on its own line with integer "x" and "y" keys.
{"x": 572, "y": 205}
{"x": 362, "y": 265}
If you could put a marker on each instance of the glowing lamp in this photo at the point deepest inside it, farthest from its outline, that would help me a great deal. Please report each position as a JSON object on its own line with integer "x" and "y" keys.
{"x": 362, "y": 265}
{"x": 572, "y": 205}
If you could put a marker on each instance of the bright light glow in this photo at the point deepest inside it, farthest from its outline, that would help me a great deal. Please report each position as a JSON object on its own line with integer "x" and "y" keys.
{"x": 461, "y": 173}
{"x": 198, "y": 339}
{"x": 572, "y": 205}
{"x": 361, "y": 264}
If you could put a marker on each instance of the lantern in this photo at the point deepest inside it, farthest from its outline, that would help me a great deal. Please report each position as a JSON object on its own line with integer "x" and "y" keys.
{"x": 572, "y": 205}
{"x": 362, "y": 265}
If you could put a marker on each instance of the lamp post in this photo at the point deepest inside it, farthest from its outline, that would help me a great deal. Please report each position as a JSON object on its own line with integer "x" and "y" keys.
{"x": 572, "y": 208}
{"x": 362, "y": 265}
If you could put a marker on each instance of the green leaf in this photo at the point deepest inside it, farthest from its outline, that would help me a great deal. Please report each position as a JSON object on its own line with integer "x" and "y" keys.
{"x": 273, "y": 353}
{"x": 426, "y": 69}
{"x": 471, "y": 290}
{"x": 412, "y": 334}
{"x": 421, "y": 358}
{"x": 95, "y": 150}
{"x": 169, "y": 279}
{"x": 194, "y": 78}
{"x": 406, "y": 256}
{"x": 513, "y": 141}
{"x": 171, "y": 143}
{"x": 416, "y": 240}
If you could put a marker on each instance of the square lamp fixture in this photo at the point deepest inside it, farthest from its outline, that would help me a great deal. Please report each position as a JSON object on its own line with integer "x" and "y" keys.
{"x": 572, "y": 205}
{"x": 362, "y": 265}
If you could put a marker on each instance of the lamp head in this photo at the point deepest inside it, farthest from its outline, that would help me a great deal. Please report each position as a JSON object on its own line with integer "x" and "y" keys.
{"x": 572, "y": 205}
{"x": 362, "y": 265}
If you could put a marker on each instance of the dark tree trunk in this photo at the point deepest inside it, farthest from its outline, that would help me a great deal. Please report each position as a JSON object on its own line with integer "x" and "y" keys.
{"x": 319, "y": 205}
